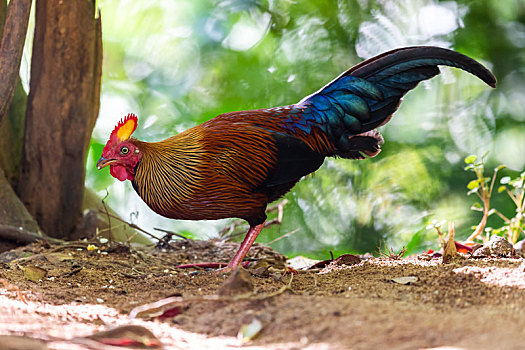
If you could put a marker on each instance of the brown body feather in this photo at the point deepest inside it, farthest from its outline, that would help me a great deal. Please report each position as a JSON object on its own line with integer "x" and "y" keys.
{"x": 215, "y": 170}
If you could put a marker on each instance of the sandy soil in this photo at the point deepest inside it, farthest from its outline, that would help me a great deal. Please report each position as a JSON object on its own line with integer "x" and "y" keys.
{"x": 59, "y": 297}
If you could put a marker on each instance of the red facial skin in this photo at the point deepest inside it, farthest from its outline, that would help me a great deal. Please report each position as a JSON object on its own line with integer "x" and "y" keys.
{"x": 121, "y": 163}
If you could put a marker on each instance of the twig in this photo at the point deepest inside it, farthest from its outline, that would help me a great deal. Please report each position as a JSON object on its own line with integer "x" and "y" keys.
{"x": 172, "y": 233}
{"x": 109, "y": 228}
{"x": 283, "y": 236}
{"x": 72, "y": 272}
{"x": 441, "y": 237}
{"x": 390, "y": 253}
{"x": 107, "y": 213}
{"x": 279, "y": 206}
{"x": 235, "y": 224}
{"x": 133, "y": 226}
{"x": 157, "y": 308}
{"x": 69, "y": 245}
{"x": 228, "y": 233}
{"x": 502, "y": 217}
{"x": 280, "y": 210}
{"x": 485, "y": 195}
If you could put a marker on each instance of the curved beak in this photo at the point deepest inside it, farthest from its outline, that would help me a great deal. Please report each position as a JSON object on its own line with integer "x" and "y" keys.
{"x": 103, "y": 162}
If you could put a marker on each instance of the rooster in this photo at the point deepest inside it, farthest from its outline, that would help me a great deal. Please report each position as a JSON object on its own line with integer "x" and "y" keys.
{"x": 233, "y": 165}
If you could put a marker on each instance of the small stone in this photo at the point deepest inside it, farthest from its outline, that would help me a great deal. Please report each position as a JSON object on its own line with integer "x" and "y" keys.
{"x": 519, "y": 247}
{"x": 476, "y": 246}
{"x": 500, "y": 246}
{"x": 424, "y": 257}
{"x": 277, "y": 276}
{"x": 347, "y": 259}
{"x": 481, "y": 252}
{"x": 240, "y": 282}
{"x": 261, "y": 271}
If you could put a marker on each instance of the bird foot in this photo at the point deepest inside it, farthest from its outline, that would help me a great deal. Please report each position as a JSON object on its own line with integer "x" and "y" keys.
{"x": 224, "y": 267}
{"x": 289, "y": 271}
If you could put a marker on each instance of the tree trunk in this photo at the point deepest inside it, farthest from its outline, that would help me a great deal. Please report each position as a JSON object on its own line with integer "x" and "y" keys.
{"x": 14, "y": 217}
{"x": 61, "y": 112}
{"x": 13, "y": 38}
{"x": 12, "y": 110}
{"x": 12, "y": 135}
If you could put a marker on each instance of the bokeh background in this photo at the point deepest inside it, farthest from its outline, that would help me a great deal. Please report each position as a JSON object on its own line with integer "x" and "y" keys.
{"x": 178, "y": 63}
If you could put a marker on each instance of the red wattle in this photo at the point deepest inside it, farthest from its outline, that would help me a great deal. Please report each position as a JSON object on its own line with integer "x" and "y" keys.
{"x": 120, "y": 172}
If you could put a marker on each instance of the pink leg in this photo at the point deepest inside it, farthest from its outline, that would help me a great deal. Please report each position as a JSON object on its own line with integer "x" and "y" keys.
{"x": 252, "y": 234}
{"x": 237, "y": 260}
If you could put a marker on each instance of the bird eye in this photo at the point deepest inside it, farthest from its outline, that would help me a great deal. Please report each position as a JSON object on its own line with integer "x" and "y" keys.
{"x": 124, "y": 150}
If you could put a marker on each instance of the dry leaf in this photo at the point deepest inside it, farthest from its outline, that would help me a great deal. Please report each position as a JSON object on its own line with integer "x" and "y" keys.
{"x": 34, "y": 273}
{"x": 250, "y": 330}
{"x": 301, "y": 262}
{"x": 405, "y": 279}
{"x": 129, "y": 335}
{"x": 56, "y": 258}
{"x": 450, "y": 251}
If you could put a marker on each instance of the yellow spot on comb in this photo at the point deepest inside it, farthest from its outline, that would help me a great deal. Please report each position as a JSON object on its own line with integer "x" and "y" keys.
{"x": 125, "y": 128}
{"x": 125, "y": 131}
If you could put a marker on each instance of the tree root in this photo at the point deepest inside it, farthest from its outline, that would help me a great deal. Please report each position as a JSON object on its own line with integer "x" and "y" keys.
{"x": 21, "y": 236}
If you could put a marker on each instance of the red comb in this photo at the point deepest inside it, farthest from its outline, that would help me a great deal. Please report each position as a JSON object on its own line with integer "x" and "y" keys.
{"x": 124, "y": 128}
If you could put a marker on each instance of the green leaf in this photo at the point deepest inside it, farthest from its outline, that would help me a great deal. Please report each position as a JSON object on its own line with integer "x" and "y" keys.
{"x": 418, "y": 240}
{"x": 470, "y": 159}
{"x": 97, "y": 12}
{"x": 476, "y": 206}
{"x": 96, "y": 151}
{"x": 473, "y": 184}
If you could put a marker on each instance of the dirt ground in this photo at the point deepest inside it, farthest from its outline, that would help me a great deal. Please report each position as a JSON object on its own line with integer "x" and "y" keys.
{"x": 60, "y": 296}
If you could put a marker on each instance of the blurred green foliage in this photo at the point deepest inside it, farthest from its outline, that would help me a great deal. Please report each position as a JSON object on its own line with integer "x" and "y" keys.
{"x": 179, "y": 63}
